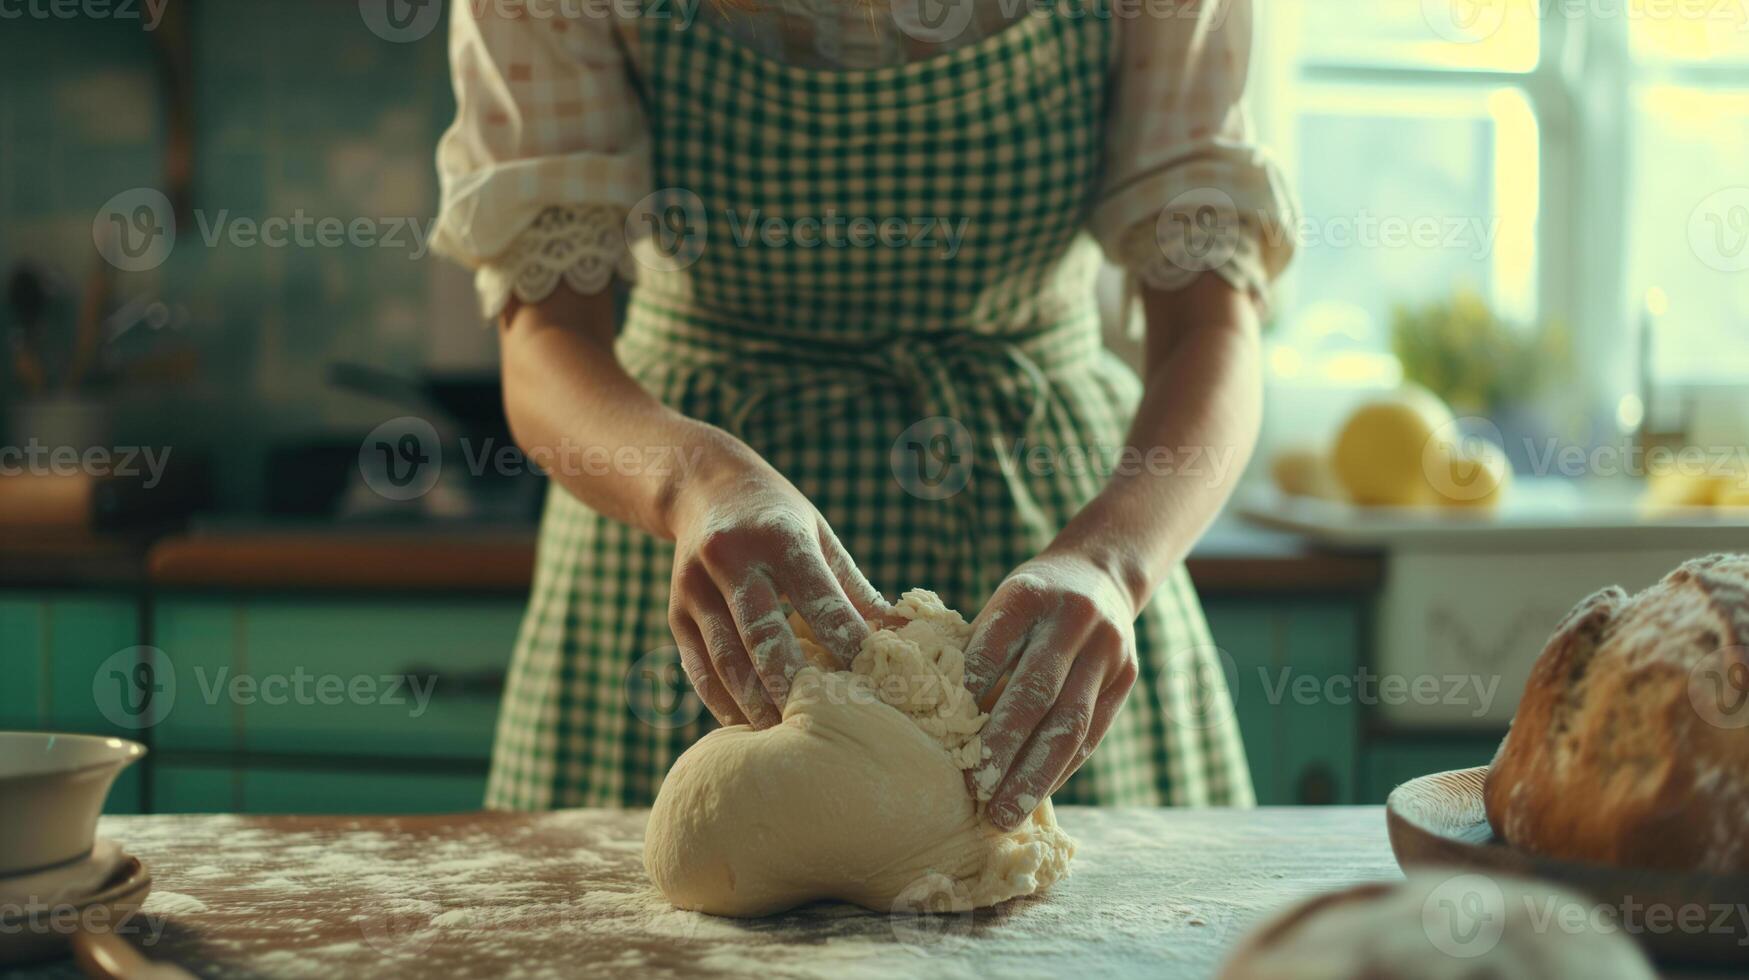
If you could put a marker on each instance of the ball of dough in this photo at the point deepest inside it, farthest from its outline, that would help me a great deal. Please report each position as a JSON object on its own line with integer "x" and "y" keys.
{"x": 858, "y": 795}
{"x": 1439, "y": 926}
{"x": 1379, "y": 455}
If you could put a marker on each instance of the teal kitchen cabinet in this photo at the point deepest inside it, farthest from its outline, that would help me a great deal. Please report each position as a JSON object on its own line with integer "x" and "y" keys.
{"x": 259, "y": 789}
{"x": 335, "y": 678}
{"x": 58, "y": 652}
{"x": 1293, "y": 666}
{"x": 1394, "y": 759}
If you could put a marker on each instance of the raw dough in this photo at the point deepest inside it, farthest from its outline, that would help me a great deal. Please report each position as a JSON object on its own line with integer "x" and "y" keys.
{"x": 858, "y": 795}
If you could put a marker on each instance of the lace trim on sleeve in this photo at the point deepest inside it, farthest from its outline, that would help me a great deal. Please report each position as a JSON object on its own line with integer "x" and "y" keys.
{"x": 581, "y": 245}
{"x": 1170, "y": 258}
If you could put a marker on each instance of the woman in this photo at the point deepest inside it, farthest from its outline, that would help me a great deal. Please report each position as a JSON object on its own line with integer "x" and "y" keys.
{"x": 863, "y": 336}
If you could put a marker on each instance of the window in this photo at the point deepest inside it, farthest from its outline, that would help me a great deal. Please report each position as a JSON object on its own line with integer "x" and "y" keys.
{"x": 1579, "y": 160}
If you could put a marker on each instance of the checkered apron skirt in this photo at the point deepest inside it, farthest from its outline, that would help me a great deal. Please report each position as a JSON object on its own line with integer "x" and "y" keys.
{"x": 880, "y": 281}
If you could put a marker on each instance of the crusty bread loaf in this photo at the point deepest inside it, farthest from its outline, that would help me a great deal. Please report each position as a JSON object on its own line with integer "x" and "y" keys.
{"x": 1631, "y": 745}
{"x": 1437, "y": 925}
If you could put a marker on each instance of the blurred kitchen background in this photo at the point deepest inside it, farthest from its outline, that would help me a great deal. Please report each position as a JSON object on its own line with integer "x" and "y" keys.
{"x": 1539, "y": 211}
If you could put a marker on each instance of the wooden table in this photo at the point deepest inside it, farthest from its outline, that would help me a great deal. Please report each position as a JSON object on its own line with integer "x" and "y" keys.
{"x": 1153, "y": 893}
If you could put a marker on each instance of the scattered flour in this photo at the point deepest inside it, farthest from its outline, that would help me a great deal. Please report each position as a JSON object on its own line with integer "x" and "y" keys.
{"x": 171, "y": 903}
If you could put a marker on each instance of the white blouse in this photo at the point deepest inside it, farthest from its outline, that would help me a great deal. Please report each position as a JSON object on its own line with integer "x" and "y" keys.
{"x": 549, "y": 151}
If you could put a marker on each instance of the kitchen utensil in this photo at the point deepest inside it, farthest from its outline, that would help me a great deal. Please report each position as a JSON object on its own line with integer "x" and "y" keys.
{"x": 94, "y": 306}
{"x": 1439, "y": 821}
{"x": 27, "y": 300}
{"x": 54, "y": 786}
{"x": 104, "y": 911}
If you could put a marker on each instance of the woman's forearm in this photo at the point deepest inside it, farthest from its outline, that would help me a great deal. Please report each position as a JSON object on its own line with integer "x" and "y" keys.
{"x": 1192, "y": 437}
{"x": 576, "y": 412}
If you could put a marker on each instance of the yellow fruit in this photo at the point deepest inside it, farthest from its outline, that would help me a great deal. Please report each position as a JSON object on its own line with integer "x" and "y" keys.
{"x": 1675, "y": 489}
{"x": 1379, "y": 456}
{"x": 1305, "y": 473}
{"x": 1472, "y": 474}
{"x": 1735, "y": 496}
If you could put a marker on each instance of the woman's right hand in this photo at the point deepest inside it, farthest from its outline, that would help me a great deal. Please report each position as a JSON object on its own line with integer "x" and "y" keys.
{"x": 744, "y": 537}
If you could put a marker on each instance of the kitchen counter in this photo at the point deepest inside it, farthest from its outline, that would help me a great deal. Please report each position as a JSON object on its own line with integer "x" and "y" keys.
{"x": 65, "y": 558}
{"x": 1153, "y": 892}
{"x": 1232, "y": 559}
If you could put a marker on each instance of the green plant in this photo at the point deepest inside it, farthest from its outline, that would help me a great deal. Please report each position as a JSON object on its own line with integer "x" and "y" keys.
{"x": 1479, "y": 362}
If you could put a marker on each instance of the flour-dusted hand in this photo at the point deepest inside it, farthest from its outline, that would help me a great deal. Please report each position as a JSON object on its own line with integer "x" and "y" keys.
{"x": 744, "y": 537}
{"x": 1061, "y": 629}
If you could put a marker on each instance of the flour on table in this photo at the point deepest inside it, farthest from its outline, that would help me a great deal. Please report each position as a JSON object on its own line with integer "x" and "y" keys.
{"x": 171, "y": 903}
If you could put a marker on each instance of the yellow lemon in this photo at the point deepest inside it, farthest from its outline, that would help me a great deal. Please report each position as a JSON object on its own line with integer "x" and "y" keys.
{"x": 1379, "y": 455}
{"x": 1734, "y": 495}
{"x": 1305, "y": 473}
{"x": 1473, "y": 474}
{"x": 1673, "y": 489}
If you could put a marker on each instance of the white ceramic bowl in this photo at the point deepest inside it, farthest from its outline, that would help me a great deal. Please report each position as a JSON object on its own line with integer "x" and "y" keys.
{"x": 52, "y": 789}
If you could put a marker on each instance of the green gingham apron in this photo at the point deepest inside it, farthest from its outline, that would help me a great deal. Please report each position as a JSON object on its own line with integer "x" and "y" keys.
{"x": 937, "y": 409}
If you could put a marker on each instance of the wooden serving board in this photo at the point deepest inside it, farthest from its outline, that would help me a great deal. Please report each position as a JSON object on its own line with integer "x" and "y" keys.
{"x": 1440, "y": 821}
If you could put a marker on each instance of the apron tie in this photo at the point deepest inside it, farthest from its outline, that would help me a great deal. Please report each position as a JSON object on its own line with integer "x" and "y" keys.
{"x": 933, "y": 370}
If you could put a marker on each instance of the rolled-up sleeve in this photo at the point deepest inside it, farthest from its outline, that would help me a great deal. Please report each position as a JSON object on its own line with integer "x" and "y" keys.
{"x": 1187, "y": 189}
{"x": 548, "y": 153}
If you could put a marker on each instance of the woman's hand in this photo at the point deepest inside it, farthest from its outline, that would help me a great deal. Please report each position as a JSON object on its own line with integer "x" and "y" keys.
{"x": 744, "y": 536}
{"x": 1064, "y": 626}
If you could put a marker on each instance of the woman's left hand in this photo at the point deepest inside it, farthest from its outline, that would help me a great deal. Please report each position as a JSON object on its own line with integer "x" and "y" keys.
{"x": 1064, "y": 627}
